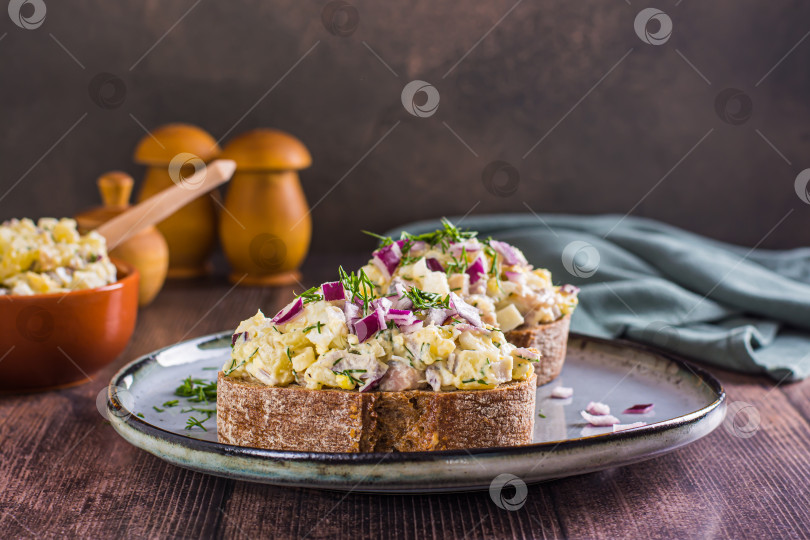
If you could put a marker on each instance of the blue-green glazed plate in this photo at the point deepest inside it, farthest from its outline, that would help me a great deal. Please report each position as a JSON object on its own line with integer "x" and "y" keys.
{"x": 688, "y": 404}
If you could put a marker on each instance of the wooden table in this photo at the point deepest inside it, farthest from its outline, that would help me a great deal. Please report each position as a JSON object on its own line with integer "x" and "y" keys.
{"x": 65, "y": 472}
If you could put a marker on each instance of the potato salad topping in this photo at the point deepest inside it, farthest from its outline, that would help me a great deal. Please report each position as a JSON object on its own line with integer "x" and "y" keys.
{"x": 345, "y": 335}
{"x": 490, "y": 275}
{"x": 50, "y": 257}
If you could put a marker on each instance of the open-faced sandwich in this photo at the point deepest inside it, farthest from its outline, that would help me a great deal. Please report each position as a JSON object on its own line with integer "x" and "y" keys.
{"x": 490, "y": 275}
{"x": 344, "y": 368}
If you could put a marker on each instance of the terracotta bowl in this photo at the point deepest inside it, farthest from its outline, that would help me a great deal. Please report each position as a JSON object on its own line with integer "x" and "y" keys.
{"x": 55, "y": 340}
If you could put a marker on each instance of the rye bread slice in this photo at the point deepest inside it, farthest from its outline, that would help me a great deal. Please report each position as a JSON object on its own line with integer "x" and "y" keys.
{"x": 294, "y": 418}
{"x": 551, "y": 339}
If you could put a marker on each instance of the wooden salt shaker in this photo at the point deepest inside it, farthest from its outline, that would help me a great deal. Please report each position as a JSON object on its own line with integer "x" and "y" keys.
{"x": 172, "y": 152}
{"x": 147, "y": 251}
{"x": 266, "y": 229}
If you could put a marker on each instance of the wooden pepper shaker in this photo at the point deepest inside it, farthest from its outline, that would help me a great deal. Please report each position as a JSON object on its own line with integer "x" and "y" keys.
{"x": 266, "y": 230}
{"x": 147, "y": 251}
{"x": 172, "y": 152}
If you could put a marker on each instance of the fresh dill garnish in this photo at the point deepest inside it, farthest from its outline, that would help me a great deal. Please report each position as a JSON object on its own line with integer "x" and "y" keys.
{"x": 193, "y": 422}
{"x": 384, "y": 240}
{"x": 311, "y": 295}
{"x": 289, "y": 355}
{"x": 492, "y": 255}
{"x": 172, "y": 403}
{"x": 407, "y": 350}
{"x": 425, "y": 300}
{"x": 540, "y": 414}
{"x": 276, "y": 329}
{"x": 158, "y": 409}
{"x": 457, "y": 265}
{"x": 209, "y": 412}
{"x": 443, "y": 237}
{"x": 359, "y": 286}
{"x": 197, "y": 389}
{"x": 527, "y": 359}
{"x": 139, "y": 415}
{"x": 318, "y": 326}
{"x": 211, "y": 368}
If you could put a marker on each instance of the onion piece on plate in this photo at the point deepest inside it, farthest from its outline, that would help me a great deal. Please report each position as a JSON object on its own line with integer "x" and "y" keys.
{"x": 562, "y": 392}
{"x": 599, "y": 420}
{"x": 596, "y": 408}
{"x": 642, "y": 408}
{"x": 622, "y": 427}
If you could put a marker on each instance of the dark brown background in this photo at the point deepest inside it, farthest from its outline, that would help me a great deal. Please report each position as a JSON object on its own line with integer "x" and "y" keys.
{"x": 509, "y": 91}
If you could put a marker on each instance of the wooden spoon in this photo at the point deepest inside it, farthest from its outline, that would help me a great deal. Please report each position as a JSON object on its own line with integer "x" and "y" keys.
{"x": 161, "y": 205}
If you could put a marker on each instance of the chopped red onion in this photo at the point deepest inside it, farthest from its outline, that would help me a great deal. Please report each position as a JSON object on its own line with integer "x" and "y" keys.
{"x": 333, "y": 290}
{"x": 290, "y": 312}
{"x": 409, "y": 328}
{"x": 383, "y": 304}
{"x": 380, "y": 318}
{"x": 598, "y": 409}
{"x": 469, "y": 246}
{"x": 402, "y": 301}
{"x": 352, "y": 313}
{"x": 599, "y": 420}
{"x": 511, "y": 256}
{"x": 236, "y": 337}
{"x": 622, "y": 427}
{"x": 464, "y": 309}
{"x": 569, "y": 289}
{"x": 433, "y": 264}
{"x": 476, "y": 270}
{"x": 369, "y": 325}
{"x": 401, "y": 316}
{"x": 416, "y": 246}
{"x": 562, "y": 392}
{"x": 639, "y": 409}
{"x": 514, "y": 277}
{"x": 389, "y": 257}
{"x": 529, "y": 354}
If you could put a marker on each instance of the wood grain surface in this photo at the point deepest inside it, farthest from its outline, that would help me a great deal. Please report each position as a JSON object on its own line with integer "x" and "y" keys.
{"x": 64, "y": 472}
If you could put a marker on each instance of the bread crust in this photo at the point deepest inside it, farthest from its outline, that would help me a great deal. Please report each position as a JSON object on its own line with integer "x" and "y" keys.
{"x": 551, "y": 339}
{"x": 295, "y": 418}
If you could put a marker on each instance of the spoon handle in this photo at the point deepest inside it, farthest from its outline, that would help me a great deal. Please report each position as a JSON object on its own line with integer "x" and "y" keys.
{"x": 163, "y": 204}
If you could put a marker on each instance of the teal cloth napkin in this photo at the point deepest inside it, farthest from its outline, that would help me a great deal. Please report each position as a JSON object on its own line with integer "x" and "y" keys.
{"x": 737, "y": 308}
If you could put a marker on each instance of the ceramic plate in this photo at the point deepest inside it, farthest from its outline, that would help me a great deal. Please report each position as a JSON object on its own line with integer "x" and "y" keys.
{"x": 688, "y": 404}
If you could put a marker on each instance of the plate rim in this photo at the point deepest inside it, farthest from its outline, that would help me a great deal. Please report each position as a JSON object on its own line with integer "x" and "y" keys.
{"x": 130, "y": 418}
